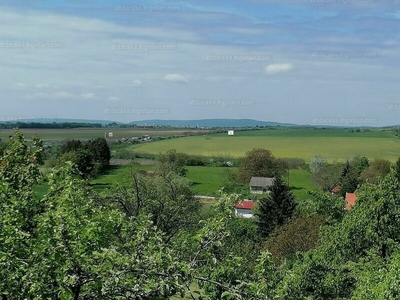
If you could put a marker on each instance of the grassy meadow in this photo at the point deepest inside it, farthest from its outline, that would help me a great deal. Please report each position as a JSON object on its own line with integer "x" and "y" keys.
{"x": 206, "y": 180}
{"x": 334, "y": 144}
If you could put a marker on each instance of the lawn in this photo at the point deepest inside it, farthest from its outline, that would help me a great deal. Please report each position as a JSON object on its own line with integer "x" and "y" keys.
{"x": 333, "y": 144}
{"x": 116, "y": 174}
{"x": 207, "y": 180}
{"x": 300, "y": 183}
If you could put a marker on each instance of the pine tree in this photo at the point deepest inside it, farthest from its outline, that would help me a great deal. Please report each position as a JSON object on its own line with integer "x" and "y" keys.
{"x": 349, "y": 180}
{"x": 276, "y": 209}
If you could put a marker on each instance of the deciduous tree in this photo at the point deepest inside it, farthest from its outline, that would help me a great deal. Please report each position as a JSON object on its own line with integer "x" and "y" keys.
{"x": 259, "y": 163}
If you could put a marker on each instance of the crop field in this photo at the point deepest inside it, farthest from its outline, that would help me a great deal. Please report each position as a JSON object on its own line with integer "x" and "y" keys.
{"x": 90, "y": 133}
{"x": 333, "y": 144}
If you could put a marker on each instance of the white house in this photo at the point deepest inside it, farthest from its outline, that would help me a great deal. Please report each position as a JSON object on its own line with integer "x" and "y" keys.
{"x": 231, "y": 132}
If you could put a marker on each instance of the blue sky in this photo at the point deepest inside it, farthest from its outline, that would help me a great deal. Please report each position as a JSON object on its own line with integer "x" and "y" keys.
{"x": 316, "y": 62}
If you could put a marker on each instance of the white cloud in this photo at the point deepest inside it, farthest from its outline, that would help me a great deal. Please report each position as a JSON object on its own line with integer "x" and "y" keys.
{"x": 175, "y": 78}
{"x": 88, "y": 96}
{"x": 278, "y": 68}
{"x": 112, "y": 98}
{"x": 136, "y": 83}
{"x": 61, "y": 95}
{"x": 19, "y": 85}
{"x": 42, "y": 86}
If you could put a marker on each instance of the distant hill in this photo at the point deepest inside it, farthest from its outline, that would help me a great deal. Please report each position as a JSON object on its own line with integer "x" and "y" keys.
{"x": 212, "y": 123}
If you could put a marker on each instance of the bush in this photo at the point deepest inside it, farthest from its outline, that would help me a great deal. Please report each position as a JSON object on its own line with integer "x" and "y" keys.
{"x": 300, "y": 235}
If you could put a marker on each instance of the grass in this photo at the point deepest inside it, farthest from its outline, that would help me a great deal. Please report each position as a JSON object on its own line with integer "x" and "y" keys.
{"x": 300, "y": 183}
{"x": 207, "y": 180}
{"x": 334, "y": 144}
{"x": 116, "y": 174}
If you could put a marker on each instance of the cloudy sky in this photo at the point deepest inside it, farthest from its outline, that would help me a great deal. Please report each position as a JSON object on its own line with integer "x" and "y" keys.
{"x": 305, "y": 62}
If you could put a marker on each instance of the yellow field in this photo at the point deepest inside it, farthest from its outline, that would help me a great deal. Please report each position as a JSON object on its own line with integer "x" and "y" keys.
{"x": 334, "y": 148}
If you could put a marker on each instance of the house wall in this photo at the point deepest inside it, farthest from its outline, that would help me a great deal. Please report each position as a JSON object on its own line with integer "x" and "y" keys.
{"x": 240, "y": 212}
{"x": 257, "y": 190}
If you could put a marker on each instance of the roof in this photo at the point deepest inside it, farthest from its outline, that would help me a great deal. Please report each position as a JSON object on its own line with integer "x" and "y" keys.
{"x": 351, "y": 199}
{"x": 336, "y": 189}
{"x": 245, "y": 205}
{"x": 261, "y": 181}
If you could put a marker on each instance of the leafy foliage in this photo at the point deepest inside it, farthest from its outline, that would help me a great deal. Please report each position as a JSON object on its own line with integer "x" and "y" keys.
{"x": 366, "y": 240}
{"x": 259, "y": 163}
{"x": 300, "y": 235}
{"x": 89, "y": 158}
{"x": 168, "y": 200}
{"x": 377, "y": 169}
{"x": 172, "y": 161}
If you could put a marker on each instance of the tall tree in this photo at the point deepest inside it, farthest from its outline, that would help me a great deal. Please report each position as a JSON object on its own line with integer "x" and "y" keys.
{"x": 172, "y": 161}
{"x": 70, "y": 146}
{"x": 276, "y": 209}
{"x": 100, "y": 151}
{"x": 168, "y": 199}
{"x": 259, "y": 163}
{"x": 348, "y": 179}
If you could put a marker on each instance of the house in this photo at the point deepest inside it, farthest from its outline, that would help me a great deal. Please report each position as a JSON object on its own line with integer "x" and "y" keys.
{"x": 231, "y": 132}
{"x": 146, "y": 138}
{"x": 336, "y": 189}
{"x": 260, "y": 185}
{"x": 351, "y": 199}
{"x": 245, "y": 209}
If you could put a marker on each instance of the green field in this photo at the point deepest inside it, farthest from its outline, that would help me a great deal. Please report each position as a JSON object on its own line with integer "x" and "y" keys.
{"x": 206, "y": 180}
{"x": 334, "y": 144}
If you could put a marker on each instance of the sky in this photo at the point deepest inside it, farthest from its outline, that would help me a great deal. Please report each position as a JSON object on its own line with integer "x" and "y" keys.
{"x": 318, "y": 62}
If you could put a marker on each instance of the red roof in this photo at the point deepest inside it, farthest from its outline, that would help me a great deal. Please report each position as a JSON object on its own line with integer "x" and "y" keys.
{"x": 336, "y": 189}
{"x": 245, "y": 205}
{"x": 351, "y": 199}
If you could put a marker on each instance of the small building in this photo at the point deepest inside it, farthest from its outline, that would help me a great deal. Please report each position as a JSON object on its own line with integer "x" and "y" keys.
{"x": 351, "y": 199}
{"x": 146, "y": 138}
{"x": 245, "y": 209}
{"x": 336, "y": 189}
{"x": 260, "y": 185}
{"x": 231, "y": 132}
{"x": 110, "y": 134}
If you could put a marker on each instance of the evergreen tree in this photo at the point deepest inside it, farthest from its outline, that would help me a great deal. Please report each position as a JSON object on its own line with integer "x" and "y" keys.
{"x": 348, "y": 180}
{"x": 276, "y": 209}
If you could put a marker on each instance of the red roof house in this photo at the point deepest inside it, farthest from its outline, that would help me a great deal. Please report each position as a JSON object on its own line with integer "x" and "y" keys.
{"x": 351, "y": 199}
{"x": 336, "y": 189}
{"x": 245, "y": 209}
